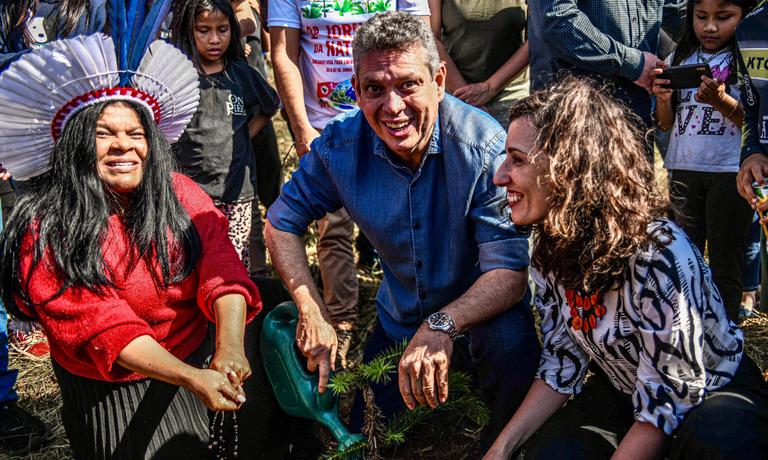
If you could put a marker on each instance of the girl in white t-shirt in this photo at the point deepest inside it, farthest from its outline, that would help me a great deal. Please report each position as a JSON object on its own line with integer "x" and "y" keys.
{"x": 703, "y": 156}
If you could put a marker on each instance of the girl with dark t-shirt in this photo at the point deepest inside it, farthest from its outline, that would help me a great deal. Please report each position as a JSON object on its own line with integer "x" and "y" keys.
{"x": 235, "y": 104}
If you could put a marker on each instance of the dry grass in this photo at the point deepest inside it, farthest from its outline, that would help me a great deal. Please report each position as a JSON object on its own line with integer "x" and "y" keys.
{"x": 39, "y": 393}
{"x": 756, "y": 339}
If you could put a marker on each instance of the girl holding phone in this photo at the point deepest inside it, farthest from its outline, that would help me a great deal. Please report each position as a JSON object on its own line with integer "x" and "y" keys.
{"x": 703, "y": 155}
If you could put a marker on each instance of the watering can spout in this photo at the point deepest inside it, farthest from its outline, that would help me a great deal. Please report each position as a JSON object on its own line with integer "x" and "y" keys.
{"x": 296, "y": 391}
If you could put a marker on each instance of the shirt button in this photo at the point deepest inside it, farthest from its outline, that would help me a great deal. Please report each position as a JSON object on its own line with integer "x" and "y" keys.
{"x": 419, "y": 264}
{"x": 422, "y": 296}
{"x": 634, "y": 19}
{"x": 416, "y": 226}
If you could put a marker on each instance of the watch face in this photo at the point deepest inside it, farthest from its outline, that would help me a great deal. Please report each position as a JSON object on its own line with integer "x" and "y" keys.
{"x": 439, "y": 319}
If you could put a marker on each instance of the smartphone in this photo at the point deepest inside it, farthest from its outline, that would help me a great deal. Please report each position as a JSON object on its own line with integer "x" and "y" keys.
{"x": 685, "y": 76}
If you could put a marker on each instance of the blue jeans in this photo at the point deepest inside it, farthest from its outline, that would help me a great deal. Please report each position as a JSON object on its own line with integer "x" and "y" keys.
{"x": 7, "y": 377}
{"x": 501, "y": 354}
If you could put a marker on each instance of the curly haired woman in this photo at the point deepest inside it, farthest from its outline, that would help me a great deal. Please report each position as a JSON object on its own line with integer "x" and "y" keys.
{"x": 622, "y": 292}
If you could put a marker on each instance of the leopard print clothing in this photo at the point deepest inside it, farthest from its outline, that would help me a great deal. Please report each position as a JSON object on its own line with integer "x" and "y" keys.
{"x": 239, "y": 217}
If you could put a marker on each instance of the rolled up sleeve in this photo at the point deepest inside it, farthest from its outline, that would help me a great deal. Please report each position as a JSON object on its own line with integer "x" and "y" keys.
{"x": 563, "y": 364}
{"x": 308, "y": 196}
{"x": 220, "y": 269}
{"x": 501, "y": 245}
{"x": 570, "y": 34}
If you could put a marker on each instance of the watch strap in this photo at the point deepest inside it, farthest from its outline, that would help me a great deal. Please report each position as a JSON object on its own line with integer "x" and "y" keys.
{"x": 449, "y": 328}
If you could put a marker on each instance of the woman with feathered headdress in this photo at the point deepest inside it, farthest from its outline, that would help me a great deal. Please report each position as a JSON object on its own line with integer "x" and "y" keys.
{"x": 124, "y": 262}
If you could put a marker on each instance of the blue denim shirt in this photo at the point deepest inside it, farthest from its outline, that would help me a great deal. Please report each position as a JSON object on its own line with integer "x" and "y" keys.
{"x": 436, "y": 230}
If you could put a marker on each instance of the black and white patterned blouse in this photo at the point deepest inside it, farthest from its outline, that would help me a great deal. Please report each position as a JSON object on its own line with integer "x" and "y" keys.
{"x": 662, "y": 337}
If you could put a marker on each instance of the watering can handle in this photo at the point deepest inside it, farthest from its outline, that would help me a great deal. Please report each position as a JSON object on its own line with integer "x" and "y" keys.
{"x": 281, "y": 362}
{"x": 285, "y": 312}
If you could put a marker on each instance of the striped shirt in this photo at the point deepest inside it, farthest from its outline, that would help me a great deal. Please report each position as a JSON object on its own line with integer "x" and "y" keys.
{"x": 662, "y": 337}
{"x": 599, "y": 37}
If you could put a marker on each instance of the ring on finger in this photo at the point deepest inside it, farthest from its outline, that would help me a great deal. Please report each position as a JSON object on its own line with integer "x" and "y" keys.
{"x": 429, "y": 388}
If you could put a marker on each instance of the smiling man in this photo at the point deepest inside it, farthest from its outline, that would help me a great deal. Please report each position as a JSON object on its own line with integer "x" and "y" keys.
{"x": 414, "y": 168}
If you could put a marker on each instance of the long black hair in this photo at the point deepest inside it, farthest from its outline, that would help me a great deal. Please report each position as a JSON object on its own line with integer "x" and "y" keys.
{"x": 14, "y": 16}
{"x": 689, "y": 43}
{"x": 185, "y": 16}
{"x": 67, "y": 214}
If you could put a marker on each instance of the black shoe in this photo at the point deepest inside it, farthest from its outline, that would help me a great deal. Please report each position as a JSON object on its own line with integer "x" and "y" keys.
{"x": 20, "y": 430}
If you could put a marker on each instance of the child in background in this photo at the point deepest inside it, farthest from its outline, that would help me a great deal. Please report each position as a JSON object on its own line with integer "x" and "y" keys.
{"x": 235, "y": 104}
{"x": 703, "y": 155}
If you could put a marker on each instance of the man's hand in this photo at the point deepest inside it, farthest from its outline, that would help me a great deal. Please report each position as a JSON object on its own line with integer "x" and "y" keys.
{"x": 4, "y": 174}
{"x": 315, "y": 335}
{"x": 317, "y": 341}
{"x": 646, "y": 80}
{"x": 304, "y": 140}
{"x": 753, "y": 169}
{"x": 423, "y": 369}
{"x": 476, "y": 94}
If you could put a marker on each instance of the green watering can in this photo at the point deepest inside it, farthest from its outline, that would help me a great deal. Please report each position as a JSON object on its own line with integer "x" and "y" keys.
{"x": 295, "y": 390}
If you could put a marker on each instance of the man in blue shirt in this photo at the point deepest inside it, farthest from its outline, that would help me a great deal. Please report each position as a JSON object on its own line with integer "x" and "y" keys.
{"x": 414, "y": 168}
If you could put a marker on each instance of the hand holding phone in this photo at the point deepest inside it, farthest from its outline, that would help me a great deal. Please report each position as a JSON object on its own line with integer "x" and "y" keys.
{"x": 711, "y": 91}
{"x": 685, "y": 76}
{"x": 662, "y": 93}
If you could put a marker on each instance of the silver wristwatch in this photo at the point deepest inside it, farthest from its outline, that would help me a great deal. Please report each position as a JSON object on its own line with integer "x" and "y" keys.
{"x": 441, "y": 321}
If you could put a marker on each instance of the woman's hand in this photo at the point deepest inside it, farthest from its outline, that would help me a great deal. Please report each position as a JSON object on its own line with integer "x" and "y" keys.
{"x": 215, "y": 390}
{"x": 497, "y": 452}
{"x": 712, "y": 92}
{"x": 541, "y": 402}
{"x": 476, "y": 94}
{"x": 230, "y": 359}
{"x": 232, "y": 364}
{"x": 144, "y": 355}
{"x": 662, "y": 94}
{"x": 643, "y": 442}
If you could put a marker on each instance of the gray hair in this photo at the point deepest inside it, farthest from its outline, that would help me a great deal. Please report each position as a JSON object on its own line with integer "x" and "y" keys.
{"x": 395, "y": 31}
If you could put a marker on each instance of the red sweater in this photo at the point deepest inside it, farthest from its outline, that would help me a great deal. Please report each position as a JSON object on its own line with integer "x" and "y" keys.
{"x": 87, "y": 331}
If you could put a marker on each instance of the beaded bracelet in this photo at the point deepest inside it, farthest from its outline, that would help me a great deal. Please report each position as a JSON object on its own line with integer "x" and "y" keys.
{"x": 736, "y": 105}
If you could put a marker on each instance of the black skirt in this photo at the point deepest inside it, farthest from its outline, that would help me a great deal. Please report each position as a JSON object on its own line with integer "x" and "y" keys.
{"x": 144, "y": 419}
{"x": 151, "y": 419}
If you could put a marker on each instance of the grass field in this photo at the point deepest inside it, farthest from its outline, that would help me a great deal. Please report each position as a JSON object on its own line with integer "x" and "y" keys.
{"x": 453, "y": 436}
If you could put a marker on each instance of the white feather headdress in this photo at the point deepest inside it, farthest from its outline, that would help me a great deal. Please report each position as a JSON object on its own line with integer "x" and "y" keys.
{"x": 45, "y": 87}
